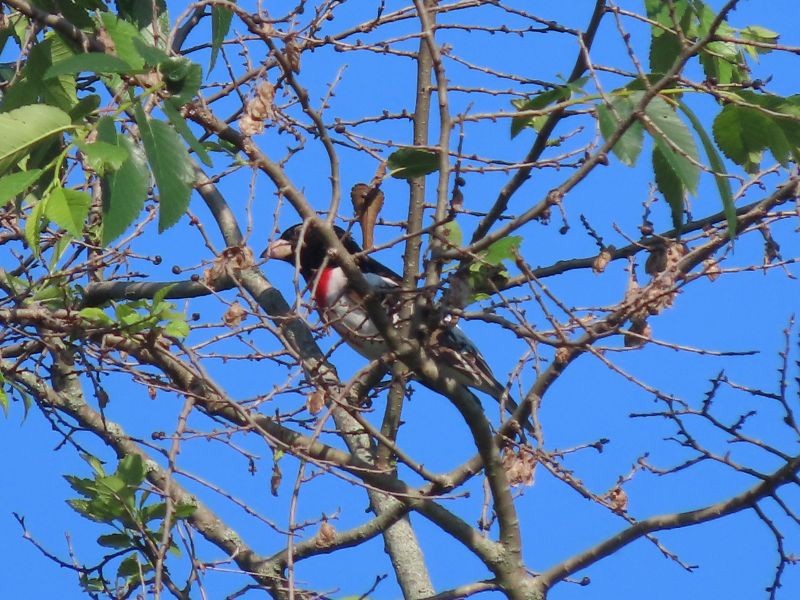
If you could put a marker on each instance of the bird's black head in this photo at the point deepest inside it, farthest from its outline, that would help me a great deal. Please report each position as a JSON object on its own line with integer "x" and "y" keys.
{"x": 307, "y": 240}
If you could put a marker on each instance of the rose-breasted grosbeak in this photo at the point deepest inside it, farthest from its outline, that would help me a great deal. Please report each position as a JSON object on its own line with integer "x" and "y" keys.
{"x": 342, "y": 308}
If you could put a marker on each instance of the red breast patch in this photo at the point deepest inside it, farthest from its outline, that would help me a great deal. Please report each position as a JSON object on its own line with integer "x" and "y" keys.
{"x": 321, "y": 293}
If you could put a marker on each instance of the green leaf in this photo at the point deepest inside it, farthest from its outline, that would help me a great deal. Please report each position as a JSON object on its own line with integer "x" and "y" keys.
{"x": 60, "y": 91}
{"x": 741, "y": 133}
{"x": 130, "y": 566}
{"x": 112, "y": 487}
{"x": 13, "y": 185}
{"x": 144, "y": 13}
{"x": 504, "y": 249}
{"x": 662, "y": 12}
{"x": 629, "y": 146}
{"x": 132, "y": 470}
{"x": 152, "y": 56}
{"x": 124, "y": 191}
{"x": 33, "y": 226}
{"x": 705, "y": 17}
{"x": 85, "y": 487}
{"x": 177, "y": 328}
{"x": 675, "y": 141}
{"x": 718, "y": 166}
{"x": 94, "y": 462}
{"x": 172, "y": 168}
{"x": 184, "y": 511}
{"x": 25, "y": 127}
{"x": 724, "y": 62}
{"x": 724, "y": 50}
{"x": 223, "y": 146}
{"x": 127, "y": 315}
{"x": 68, "y": 209}
{"x": 664, "y": 49}
{"x": 85, "y": 106}
{"x": 220, "y": 25}
{"x": 180, "y": 125}
{"x": 75, "y": 11}
{"x": 4, "y": 397}
{"x": 91, "y": 584}
{"x": 718, "y": 70}
{"x": 54, "y": 295}
{"x": 64, "y": 291}
{"x": 84, "y": 508}
{"x": 115, "y": 540}
{"x": 665, "y": 46}
{"x": 103, "y": 156}
{"x": 670, "y": 185}
{"x": 154, "y": 511}
{"x": 538, "y": 102}
{"x": 124, "y": 35}
{"x": 453, "y": 233}
{"x": 30, "y": 88}
{"x": 161, "y": 293}
{"x": 410, "y": 163}
{"x": 182, "y": 78}
{"x": 94, "y": 62}
{"x": 756, "y": 33}
{"x": 96, "y": 315}
{"x": 784, "y": 123}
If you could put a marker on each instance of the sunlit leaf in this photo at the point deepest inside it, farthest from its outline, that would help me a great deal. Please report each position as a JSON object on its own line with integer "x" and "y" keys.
{"x": 503, "y": 249}
{"x": 152, "y": 56}
{"x": 33, "y": 226}
{"x": 171, "y": 166}
{"x": 756, "y": 33}
{"x": 408, "y": 163}
{"x": 124, "y": 35}
{"x": 154, "y": 511}
{"x": 220, "y": 25}
{"x": 177, "y": 328}
{"x": 182, "y": 78}
{"x": 675, "y": 142}
{"x": 665, "y": 45}
{"x": 180, "y": 125}
{"x": 741, "y": 132}
{"x": 103, "y": 155}
{"x": 670, "y": 185}
{"x": 13, "y": 185}
{"x": 130, "y": 566}
{"x": 538, "y": 102}
{"x": 97, "y": 315}
{"x": 184, "y": 511}
{"x": 610, "y": 118}
{"x": 3, "y": 396}
{"x": 94, "y": 62}
{"x": 125, "y": 189}
{"x": 131, "y": 470}
{"x": 84, "y": 486}
{"x": 453, "y": 233}
{"x": 718, "y": 168}
{"x": 85, "y": 106}
{"x": 24, "y": 127}
{"x": 68, "y": 209}
{"x": 115, "y": 540}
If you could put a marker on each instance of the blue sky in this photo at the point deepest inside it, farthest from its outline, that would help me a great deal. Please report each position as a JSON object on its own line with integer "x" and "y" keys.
{"x": 741, "y": 311}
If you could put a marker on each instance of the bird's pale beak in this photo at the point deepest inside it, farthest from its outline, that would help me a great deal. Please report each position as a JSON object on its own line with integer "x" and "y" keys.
{"x": 279, "y": 249}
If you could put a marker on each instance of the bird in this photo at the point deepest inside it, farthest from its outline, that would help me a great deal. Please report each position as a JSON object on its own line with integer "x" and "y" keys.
{"x": 342, "y": 308}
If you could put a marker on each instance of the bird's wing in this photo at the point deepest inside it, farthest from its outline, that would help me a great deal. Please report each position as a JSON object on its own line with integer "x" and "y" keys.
{"x": 453, "y": 349}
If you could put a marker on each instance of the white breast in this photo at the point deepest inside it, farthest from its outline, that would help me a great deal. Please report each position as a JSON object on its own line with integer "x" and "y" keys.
{"x": 347, "y": 315}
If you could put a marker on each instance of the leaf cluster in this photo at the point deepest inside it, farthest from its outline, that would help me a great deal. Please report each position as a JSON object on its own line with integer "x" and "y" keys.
{"x": 120, "y": 500}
